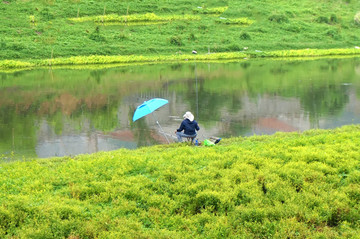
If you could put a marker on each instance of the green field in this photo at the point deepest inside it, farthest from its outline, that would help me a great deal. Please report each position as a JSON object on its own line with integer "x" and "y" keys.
{"x": 288, "y": 185}
{"x": 49, "y": 29}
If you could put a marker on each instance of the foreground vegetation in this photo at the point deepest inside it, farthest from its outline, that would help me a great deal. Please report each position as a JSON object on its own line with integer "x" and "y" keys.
{"x": 289, "y": 185}
{"x": 61, "y": 29}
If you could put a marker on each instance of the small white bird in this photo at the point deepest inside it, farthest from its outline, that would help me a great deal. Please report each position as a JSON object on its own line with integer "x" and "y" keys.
{"x": 194, "y": 52}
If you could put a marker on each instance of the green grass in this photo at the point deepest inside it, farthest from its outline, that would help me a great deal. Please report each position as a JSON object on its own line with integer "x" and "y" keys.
{"x": 8, "y": 65}
{"x": 49, "y": 29}
{"x": 295, "y": 185}
{"x": 288, "y": 185}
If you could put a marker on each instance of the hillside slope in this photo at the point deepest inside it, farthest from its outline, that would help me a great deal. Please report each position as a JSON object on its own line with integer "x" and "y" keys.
{"x": 50, "y": 29}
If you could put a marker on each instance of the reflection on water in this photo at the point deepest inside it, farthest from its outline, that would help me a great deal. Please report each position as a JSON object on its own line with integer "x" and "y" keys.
{"x": 57, "y": 112}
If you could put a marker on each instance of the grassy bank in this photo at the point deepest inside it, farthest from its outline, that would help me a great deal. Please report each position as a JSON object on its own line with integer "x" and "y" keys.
{"x": 7, "y": 65}
{"x": 61, "y": 29}
{"x": 288, "y": 185}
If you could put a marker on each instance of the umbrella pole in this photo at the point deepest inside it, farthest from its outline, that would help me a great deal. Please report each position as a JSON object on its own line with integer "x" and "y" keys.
{"x": 162, "y": 131}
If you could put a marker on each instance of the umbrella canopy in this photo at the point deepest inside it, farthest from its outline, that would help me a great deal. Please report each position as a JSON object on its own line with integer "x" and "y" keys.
{"x": 148, "y": 107}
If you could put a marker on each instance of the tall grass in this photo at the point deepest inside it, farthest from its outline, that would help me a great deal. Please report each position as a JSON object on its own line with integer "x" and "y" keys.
{"x": 289, "y": 185}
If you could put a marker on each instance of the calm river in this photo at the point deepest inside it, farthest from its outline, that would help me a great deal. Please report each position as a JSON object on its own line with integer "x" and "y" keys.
{"x": 57, "y": 112}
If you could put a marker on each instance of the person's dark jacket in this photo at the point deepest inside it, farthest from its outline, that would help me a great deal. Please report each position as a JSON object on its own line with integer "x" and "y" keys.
{"x": 189, "y": 127}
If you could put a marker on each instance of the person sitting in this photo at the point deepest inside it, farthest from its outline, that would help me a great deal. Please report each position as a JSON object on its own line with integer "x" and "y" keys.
{"x": 188, "y": 125}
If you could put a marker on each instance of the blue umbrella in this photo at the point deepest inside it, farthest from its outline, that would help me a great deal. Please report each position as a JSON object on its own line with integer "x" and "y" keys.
{"x": 148, "y": 107}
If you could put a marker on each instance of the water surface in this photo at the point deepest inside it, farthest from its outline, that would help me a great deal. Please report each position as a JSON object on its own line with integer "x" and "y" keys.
{"x": 57, "y": 112}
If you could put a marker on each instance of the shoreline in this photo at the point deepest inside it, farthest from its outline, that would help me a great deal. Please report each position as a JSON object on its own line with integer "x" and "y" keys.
{"x": 11, "y": 65}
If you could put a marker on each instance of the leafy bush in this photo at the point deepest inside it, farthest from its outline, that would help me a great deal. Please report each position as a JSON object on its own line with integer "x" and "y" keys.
{"x": 176, "y": 40}
{"x": 245, "y": 36}
{"x": 96, "y": 35}
{"x": 333, "y": 33}
{"x": 322, "y": 19}
{"x": 202, "y": 27}
{"x": 206, "y": 201}
{"x": 279, "y": 18}
{"x": 334, "y": 19}
{"x": 234, "y": 47}
{"x": 192, "y": 37}
{"x": 46, "y": 14}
